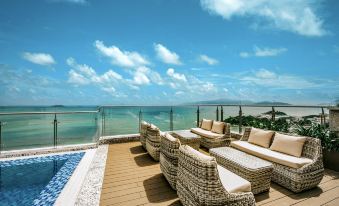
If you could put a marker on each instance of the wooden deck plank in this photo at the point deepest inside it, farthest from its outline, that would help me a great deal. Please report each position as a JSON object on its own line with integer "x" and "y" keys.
{"x": 133, "y": 178}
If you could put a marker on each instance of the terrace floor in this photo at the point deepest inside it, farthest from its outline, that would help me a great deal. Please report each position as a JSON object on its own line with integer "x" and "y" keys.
{"x": 133, "y": 178}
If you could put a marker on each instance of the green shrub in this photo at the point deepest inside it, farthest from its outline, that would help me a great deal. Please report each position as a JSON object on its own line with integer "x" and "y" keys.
{"x": 329, "y": 140}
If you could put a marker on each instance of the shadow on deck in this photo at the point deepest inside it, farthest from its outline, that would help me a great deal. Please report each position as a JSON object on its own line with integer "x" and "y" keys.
{"x": 132, "y": 177}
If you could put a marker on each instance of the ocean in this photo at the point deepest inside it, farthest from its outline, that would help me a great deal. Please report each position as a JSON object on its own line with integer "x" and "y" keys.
{"x": 37, "y": 130}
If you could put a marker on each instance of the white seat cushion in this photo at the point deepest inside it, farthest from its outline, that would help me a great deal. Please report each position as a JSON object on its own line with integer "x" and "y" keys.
{"x": 232, "y": 182}
{"x": 205, "y": 133}
{"x": 273, "y": 156}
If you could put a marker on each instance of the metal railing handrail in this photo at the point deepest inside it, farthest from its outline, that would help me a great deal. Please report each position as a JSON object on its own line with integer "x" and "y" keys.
{"x": 32, "y": 113}
{"x": 224, "y": 105}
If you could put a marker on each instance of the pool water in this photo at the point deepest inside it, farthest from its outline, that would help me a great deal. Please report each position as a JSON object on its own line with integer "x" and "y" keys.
{"x": 35, "y": 181}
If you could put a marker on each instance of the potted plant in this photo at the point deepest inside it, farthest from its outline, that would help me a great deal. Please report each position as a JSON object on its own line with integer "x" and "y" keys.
{"x": 329, "y": 142}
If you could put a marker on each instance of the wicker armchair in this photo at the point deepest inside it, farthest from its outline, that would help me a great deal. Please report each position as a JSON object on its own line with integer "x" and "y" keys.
{"x": 304, "y": 178}
{"x": 212, "y": 142}
{"x": 153, "y": 142}
{"x": 143, "y": 131}
{"x": 199, "y": 183}
{"x": 169, "y": 149}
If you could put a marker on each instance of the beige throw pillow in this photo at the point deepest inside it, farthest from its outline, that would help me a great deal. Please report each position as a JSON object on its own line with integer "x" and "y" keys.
{"x": 260, "y": 137}
{"x": 287, "y": 144}
{"x": 206, "y": 124}
{"x": 218, "y": 127}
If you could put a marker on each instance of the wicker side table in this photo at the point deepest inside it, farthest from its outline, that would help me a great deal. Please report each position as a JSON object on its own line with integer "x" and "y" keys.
{"x": 255, "y": 170}
{"x": 186, "y": 137}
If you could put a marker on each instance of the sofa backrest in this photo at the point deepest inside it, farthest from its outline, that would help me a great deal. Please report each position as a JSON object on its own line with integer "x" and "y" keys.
{"x": 153, "y": 133}
{"x": 312, "y": 147}
{"x": 199, "y": 173}
{"x": 227, "y": 129}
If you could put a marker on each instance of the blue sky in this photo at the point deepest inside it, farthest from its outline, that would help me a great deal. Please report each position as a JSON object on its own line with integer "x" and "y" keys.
{"x": 168, "y": 51}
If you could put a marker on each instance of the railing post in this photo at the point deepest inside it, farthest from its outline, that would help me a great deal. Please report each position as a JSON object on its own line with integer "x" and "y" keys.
{"x": 0, "y": 137}
{"x": 221, "y": 114}
{"x": 97, "y": 138}
{"x": 171, "y": 119}
{"x": 273, "y": 114}
{"x": 217, "y": 113}
{"x": 140, "y": 119}
{"x": 103, "y": 122}
{"x": 323, "y": 116}
{"x": 240, "y": 120}
{"x": 55, "y": 139}
{"x": 198, "y": 116}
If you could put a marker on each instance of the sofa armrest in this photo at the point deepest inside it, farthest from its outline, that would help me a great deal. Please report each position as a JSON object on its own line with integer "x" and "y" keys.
{"x": 316, "y": 164}
{"x": 243, "y": 198}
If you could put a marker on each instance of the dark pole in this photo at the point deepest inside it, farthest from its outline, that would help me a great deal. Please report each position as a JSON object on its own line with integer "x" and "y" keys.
{"x": 273, "y": 114}
{"x": 103, "y": 122}
{"x": 140, "y": 119}
{"x": 198, "y": 116}
{"x": 323, "y": 116}
{"x": 171, "y": 119}
{"x": 221, "y": 114}
{"x": 0, "y": 137}
{"x": 240, "y": 120}
{"x": 55, "y": 123}
{"x": 217, "y": 112}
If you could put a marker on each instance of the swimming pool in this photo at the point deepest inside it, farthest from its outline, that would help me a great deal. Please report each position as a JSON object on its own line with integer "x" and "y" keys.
{"x": 36, "y": 181}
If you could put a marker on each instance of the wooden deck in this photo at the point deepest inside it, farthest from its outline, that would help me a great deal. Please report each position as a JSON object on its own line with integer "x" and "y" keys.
{"x": 133, "y": 178}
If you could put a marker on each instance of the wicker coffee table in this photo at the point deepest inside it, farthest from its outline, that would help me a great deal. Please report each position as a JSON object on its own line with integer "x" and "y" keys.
{"x": 255, "y": 170}
{"x": 188, "y": 138}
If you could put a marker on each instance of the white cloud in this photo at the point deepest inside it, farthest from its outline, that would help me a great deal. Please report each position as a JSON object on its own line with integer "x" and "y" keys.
{"x": 263, "y": 52}
{"x": 140, "y": 76}
{"x": 76, "y": 78}
{"x": 39, "y": 58}
{"x": 177, "y": 76}
{"x": 208, "y": 60}
{"x": 244, "y": 54}
{"x": 81, "y": 2}
{"x": 82, "y": 74}
{"x": 268, "y": 51}
{"x": 166, "y": 55}
{"x": 289, "y": 15}
{"x": 119, "y": 57}
{"x": 264, "y": 77}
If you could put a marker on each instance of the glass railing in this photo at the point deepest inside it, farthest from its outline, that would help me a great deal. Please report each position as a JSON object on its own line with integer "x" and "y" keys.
{"x": 44, "y": 127}
{"x": 26, "y": 130}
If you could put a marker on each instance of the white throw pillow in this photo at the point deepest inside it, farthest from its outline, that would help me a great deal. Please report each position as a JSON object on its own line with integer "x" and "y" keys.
{"x": 260, "y": 137}
{"x": 287, "y": 144}
{"x": 218, "y": 127}
{"x": 206, "y": 124}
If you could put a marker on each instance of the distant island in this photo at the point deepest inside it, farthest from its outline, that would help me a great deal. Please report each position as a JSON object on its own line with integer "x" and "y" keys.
{"x": 58, "y": 105}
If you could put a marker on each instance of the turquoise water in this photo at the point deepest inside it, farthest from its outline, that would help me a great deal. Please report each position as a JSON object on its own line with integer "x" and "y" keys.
{"x": 35, "y": 181}
{"x": 32, "y": 131}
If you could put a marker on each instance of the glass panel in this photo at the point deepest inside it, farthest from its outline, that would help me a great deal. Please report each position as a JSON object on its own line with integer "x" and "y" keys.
{"x": 184, "y": 118}
{"x": 78, "y": 128}
{"x": 121, "y": 120}
{"x": 231, "y": 113}
{"x": 26, "y": 131}
{"x": 159, "y": 116}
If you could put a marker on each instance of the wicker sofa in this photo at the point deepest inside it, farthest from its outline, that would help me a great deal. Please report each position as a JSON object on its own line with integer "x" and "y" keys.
{"x": 202, "y": 182}
{"x": 295, "y": 173}
{"x": 153, "y": 141}
{"x": 210, "y": 139}
{"x": 143, "y": 131}
{"x": 169, "y": 149}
